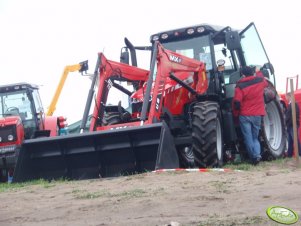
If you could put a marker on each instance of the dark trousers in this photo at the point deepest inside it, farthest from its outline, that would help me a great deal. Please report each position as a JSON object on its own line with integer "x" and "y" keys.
{"x": 250, "y": 126}
{"x": 290, "y": 139}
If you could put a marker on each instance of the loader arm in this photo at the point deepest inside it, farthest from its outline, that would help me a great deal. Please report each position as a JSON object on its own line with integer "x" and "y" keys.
{"x": 83, "y": 66}
{"x": 169, "y": 64}
{"x": 109, "y": 69}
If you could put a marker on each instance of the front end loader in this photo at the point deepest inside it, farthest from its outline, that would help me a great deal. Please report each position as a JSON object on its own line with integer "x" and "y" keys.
{"x": 121, "y": 141}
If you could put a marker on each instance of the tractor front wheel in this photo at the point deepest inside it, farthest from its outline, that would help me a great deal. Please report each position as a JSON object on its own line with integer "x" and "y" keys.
{"x": 207, "y": 135}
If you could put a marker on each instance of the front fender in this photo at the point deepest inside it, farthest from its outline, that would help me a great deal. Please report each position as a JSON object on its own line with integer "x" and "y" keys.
{"x": 51, "y": 124}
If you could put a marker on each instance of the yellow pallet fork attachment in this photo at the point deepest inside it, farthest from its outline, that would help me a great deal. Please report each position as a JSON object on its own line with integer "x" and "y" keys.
{"x": 81, "y": 67}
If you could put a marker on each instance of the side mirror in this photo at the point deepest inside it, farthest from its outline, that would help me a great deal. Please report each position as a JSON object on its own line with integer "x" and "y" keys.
{"x": 232, "y": 40}
{"x": 125, "y": 56}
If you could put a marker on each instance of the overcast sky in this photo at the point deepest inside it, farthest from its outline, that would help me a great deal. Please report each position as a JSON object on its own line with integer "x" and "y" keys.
{"x": 39, "y": 38}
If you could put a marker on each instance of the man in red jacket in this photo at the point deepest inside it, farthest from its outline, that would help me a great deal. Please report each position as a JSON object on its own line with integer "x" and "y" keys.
{"x": 248, "y": 104}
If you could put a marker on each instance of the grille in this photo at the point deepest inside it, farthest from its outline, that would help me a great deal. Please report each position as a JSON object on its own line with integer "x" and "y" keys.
{"x": 7, "y": 130}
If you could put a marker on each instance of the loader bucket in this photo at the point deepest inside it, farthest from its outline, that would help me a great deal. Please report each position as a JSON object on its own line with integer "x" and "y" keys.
{"x": 97, "y": 154}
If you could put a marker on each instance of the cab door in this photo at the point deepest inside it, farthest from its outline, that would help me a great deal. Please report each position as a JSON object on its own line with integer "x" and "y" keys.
{"x": 254, "y": 52}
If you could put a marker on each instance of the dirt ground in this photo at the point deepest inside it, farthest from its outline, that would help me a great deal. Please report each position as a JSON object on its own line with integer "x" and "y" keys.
{"x": 167, "y": 198}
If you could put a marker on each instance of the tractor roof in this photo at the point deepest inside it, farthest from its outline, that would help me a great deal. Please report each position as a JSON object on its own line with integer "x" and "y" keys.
{"x": 188, "y": 32}
{"x": 17, "y": 86}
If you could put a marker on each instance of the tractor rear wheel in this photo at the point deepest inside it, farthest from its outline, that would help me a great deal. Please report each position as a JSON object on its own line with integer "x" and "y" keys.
{"x": 207, "y": 135}
{"x": 273, "y": 130}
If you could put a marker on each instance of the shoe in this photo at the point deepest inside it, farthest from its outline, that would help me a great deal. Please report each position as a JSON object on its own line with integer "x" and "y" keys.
{"x": 256, "y": 161}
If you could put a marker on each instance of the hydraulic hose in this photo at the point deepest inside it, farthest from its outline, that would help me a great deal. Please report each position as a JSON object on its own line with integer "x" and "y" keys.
{"x": 90, "y": 96}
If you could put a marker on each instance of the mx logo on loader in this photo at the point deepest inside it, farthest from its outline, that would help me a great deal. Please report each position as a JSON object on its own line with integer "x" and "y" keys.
{"x": 175, "y": 59}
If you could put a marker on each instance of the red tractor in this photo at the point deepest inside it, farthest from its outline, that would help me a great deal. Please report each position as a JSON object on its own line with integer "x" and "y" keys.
{"x": 22, "y": 118}
{"x": 297, "y": 94}
{"x": 178, "y": 113}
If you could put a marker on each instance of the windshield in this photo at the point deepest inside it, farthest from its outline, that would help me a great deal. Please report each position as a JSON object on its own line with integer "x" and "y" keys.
{"x": 197, "y": 48}
{"x": 16, "y": 103}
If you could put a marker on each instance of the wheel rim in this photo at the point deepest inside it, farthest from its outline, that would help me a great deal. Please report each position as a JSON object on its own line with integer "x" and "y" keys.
{"x": 186, "y": 157}
{"x": 273, "y": 126}
{"x": 187, "y": 151}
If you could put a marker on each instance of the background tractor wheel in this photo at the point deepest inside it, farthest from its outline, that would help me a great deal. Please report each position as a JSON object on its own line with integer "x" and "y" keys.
{"x": 273, "y": 132}
{"x": 186, "y": 157}
{"x": 112, "y": 118}
{"x": 207, "y": 135}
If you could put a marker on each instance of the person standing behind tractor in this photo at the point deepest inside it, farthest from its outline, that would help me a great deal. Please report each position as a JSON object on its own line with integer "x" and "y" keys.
{"x": 289, "y": 125}
{"x": 248, "y": 104}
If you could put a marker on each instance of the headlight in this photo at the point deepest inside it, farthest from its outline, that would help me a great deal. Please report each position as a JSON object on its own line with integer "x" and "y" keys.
{"x": 155, "y": 38}
{"x": 190, "y": 31}
{"x": 164, "y": 36}
{"x": 200, "y": 29}
{"x": 10, "y": 137}
{"x": 0, "y": 139}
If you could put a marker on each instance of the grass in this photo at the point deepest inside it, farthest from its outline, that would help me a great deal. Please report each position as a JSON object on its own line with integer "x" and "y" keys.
{"x": 124, "y": 195}
{"x": 136, "y": 176}
{"x": 5, "y": 187}
{"x": 245, "y": 166}
{"x": 83, "y": 194}
{"x": 241, "y": 166}
{"x": 125, "y": 173}
{"x": 134, "y": 193}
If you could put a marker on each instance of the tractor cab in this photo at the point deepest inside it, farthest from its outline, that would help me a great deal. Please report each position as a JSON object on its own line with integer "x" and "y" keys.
{"x": 22, "y": 100}
{"x": 223, "y": 50}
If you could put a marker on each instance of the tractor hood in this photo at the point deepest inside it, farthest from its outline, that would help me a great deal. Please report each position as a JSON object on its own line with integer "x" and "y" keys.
{"x": 10, "y": 120}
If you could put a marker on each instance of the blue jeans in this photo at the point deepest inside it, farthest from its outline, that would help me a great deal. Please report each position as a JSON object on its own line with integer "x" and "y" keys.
{"x": 290, "y": 140}
{"x": 250, "y": 126}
